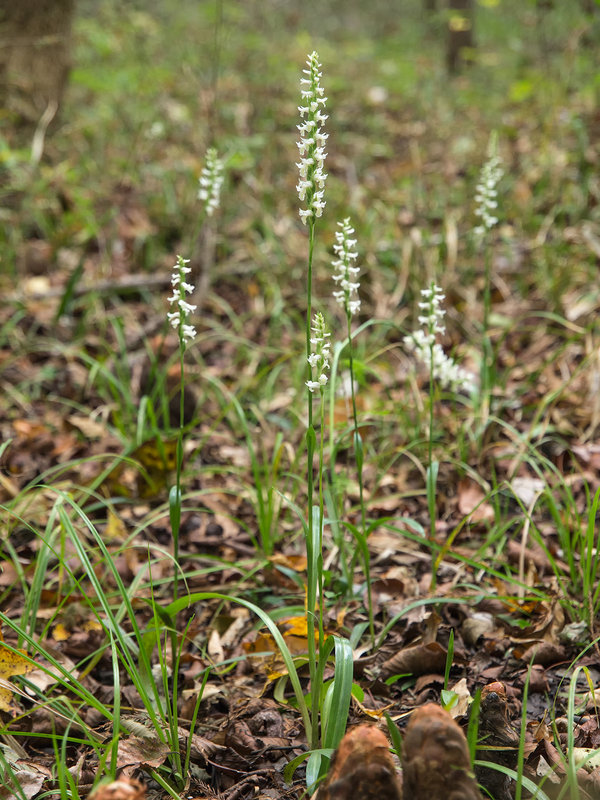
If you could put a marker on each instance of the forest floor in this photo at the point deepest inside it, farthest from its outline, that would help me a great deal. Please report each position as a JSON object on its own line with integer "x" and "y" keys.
{"x": 503, "y": 587}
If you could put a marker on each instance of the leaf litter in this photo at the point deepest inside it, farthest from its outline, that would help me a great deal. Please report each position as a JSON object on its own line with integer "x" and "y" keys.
{"x": 66, "y": 430}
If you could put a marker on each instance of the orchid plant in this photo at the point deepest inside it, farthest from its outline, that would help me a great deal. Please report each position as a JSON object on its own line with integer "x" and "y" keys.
{"x": 486, "y": 200}
{"x": 443, "y": 369}
{"x": 345, "y": 276}
{"x": 311, "y": 191}
{"x": 210, "y": 182}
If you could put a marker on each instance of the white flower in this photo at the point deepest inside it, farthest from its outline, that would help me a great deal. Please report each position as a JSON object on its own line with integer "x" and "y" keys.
{"x": 433, "y": 319}
{"x": 178, "y": 318}
{"x": 310, "y": 187}
{"x": 487, "y": 190}
{"x": 321, "y": 353}
{"x": 211, "y": 180}
{"x": 346, "y": 272}
{"x": 423, "y": 344}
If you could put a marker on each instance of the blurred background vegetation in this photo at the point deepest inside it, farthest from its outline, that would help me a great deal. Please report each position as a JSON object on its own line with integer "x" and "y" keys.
{"x": 153, "y": 84}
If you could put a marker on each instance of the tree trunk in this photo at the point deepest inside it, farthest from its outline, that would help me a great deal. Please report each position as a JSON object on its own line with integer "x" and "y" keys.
{"x": 460, "y": 44}
{"x": 35, "y": 43}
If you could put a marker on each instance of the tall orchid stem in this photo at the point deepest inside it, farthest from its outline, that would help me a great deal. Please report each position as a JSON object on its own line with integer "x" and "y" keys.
{"x": 185, "y": 331}
{"x": 358, "y": 455}
{"x": 431, "y": 478}
{"x": 179, "y": 467}
{"x": 312, "y": 589}
{"x": 487, "y": 359}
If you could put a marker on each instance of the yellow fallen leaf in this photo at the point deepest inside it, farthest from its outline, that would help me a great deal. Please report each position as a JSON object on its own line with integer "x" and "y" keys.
{"x": 11, "y": 663}
{"x": 294, "y": 626}
{"x": 60, "y": 633}
{"x": 115, "y": 527}
{"x": 296, "y": 563}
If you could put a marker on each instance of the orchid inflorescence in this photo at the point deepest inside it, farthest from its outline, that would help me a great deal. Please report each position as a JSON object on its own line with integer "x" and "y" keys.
{"x": 178, "y": 318}
{"x": 423, "y": 343}
{"x": 345, "y": 272}
{"x": 211, "y": 179}
{"x": 320, "y": 355}
{"x": 487, "y": 190}
{"x": 312, "y": 142}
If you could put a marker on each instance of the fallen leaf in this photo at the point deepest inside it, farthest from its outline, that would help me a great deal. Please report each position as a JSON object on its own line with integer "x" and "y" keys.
{"x": 29, "y": 777}
{"x": 115, "y": 527}
{"x": 417, "y": 660}
{"x": 471, "y": 502}
{"x": 295, "y": 563}
{"x": 464, "y": 699}
{"x": 527, "y": 489}
{"x": 88, "y": 426}
{"x": 11, "y": 663}
{"x": 141, "y": 752}
{"x": 589, "y": 755}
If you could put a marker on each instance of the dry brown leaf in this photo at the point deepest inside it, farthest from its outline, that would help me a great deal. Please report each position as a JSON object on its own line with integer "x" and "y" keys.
{"x": 201, "y": 749}
{"x": 471, "y": 502}
{"x": 417, "y": 660}
{"x": 28, "y": 776}
{"x": 136, "y": 751}
{"x": 464, "y": 699}
{"x": 88, "y": 426}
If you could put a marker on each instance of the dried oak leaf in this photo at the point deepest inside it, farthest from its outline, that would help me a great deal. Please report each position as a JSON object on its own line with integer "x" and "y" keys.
{"x": 362, "y": 768}
{"x": 420, "y": 659}
{"x": 435, "y": 759}
{"x": 139, "y": 751}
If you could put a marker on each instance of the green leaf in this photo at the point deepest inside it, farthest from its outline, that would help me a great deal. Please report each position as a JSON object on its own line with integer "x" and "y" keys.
{"x": 337, "y": 703}
{"x": 449, "y": 658}
{"x": 358, "y": 692}
{"x": 316, "y": 769}
{"x": 473, "y": 727}
{"x": 292, "y": 766}
{"x": 527, "y": 783}
{"x": 449, "y": 699}
{"x": 431, "y": 483}
{"x": 395, "y": 735}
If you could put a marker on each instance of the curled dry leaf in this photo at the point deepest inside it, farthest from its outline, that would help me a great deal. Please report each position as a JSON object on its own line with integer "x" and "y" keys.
{"x": 435, "y": 760}
{"x": 420, "y": 659}
{"x": 25, "y": 779}
{"x": 362, "y": 768}
{"x": 141, "y": 752}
